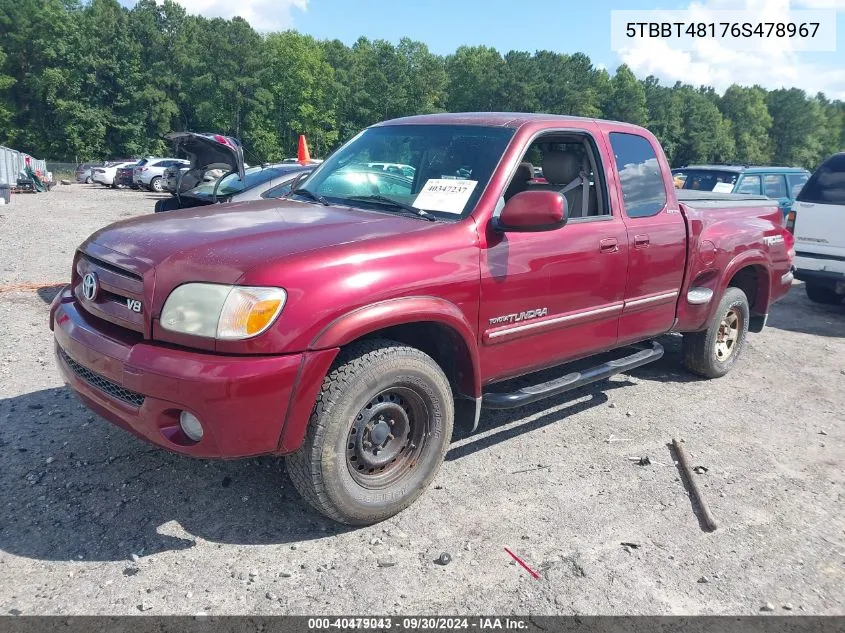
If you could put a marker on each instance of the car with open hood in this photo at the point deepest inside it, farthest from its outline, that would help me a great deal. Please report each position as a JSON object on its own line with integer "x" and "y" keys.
{"x": 205, "y": 153}
{"x": 265, "y": 181}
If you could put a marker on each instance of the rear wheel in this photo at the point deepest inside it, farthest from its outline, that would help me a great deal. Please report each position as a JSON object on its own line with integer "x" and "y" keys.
{"x": 713, "y": 352}
{"x": 89, "y": 181}
{"x": 377, "y": 435}
{"x": 822, "y": 294}
{"x": 155, "y": 184}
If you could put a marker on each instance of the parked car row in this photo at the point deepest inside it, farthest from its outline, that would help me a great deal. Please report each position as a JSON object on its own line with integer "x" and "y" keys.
{"x": 144, "y": 173}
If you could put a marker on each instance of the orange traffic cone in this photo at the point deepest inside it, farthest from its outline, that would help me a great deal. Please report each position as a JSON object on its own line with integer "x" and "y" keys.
{"x": 303, "y": 155}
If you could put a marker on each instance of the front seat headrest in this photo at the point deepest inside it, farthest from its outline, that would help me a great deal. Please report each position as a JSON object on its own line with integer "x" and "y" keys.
{"x": 561, "y": 168}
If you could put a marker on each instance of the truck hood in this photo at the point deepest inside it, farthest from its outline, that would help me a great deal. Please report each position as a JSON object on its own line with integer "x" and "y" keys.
{"x": 220, "y": 243}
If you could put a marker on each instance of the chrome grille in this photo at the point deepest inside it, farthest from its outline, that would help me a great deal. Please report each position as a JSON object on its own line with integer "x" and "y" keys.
{"x": 117, "y": 286}
{"x": 103, "y": 384}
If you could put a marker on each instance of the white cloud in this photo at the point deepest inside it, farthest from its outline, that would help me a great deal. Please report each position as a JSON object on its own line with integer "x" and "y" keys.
{"x": 263, "y": 15}
{"x": 839, "y": 5}
{"x": 772, "y": 64}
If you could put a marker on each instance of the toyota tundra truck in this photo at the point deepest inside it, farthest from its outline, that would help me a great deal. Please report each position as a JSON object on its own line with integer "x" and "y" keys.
{"x": 338, "y": 326}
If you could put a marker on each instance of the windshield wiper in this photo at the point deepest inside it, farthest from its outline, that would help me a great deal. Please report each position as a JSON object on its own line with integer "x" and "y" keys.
{"x": 422, "y": 213}
{"x": 302, "y": 191}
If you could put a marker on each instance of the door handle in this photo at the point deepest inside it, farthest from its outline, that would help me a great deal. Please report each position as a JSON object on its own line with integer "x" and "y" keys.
{"x": 641, "y": 241}
{"x": 609, "y": 245}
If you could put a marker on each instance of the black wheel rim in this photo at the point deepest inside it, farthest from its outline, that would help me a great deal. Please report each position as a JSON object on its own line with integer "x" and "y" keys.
{"x": 387, "y": 438}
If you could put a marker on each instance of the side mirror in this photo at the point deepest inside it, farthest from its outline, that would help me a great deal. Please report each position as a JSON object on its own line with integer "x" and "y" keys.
{"x": 532, "y": 211}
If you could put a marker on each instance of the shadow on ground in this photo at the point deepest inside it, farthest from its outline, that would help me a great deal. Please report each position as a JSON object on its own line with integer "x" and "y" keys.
{"x": 65, "y": 468}
{"x": 796, "y": 313}
{"x": 76, "y": 488}
{"x": 47, "y": 293}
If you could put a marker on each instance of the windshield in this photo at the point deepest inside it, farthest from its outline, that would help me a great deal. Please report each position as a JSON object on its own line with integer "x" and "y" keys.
{"x": 253, "y": 177}
{"x": 705, "y": 179}
{"x": 442, "y": 169}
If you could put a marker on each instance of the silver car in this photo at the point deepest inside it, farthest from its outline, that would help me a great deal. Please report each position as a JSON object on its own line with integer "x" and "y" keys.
{"x": 149, "y": 172}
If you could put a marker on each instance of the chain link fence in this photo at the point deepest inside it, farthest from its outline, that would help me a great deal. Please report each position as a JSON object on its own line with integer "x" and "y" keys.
{"x": 63, "y": 171}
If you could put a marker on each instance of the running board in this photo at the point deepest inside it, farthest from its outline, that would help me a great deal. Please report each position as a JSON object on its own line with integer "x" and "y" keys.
{"x": 533, "y": 393}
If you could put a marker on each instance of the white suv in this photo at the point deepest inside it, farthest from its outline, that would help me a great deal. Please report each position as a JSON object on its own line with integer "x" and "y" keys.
{"x": 149, "y": 171}
{"x": 818, "y": 222}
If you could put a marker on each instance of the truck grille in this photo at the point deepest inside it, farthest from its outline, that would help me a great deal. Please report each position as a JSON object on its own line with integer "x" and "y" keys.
{"x": 118, "y": 286}
{"x": 103, "y": 384}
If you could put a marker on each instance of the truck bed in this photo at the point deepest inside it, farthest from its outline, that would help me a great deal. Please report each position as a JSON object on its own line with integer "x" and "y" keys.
{"x": 705, "y": 199}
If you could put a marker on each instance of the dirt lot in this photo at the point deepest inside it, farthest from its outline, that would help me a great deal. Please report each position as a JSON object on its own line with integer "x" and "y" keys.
{"x": 95, "y": 521}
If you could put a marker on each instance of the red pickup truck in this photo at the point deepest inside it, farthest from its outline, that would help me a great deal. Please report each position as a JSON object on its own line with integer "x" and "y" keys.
{"x": 338, "y": 326}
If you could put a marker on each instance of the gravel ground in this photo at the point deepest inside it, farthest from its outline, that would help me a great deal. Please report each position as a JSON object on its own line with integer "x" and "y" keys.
{"x": 97, "y": 522}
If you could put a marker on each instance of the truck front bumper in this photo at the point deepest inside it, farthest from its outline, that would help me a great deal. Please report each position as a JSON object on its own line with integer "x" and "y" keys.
{"x": 247, "y": 405}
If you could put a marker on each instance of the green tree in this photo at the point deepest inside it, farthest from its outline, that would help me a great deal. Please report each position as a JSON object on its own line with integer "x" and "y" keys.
{"x": 476, "y": 77}
{"x": 751, "y": 123}
{"x": 665, "y": 108}
{"x": 626, "y": 100}
{"x": 296, "y": 75}
{"x": 6, "y": 82}
{"x": 798, "y": 128}
{"x": 707, "y": 136}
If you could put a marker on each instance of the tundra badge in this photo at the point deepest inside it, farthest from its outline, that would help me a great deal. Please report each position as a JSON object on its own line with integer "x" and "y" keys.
{"x": 522, "y": 316}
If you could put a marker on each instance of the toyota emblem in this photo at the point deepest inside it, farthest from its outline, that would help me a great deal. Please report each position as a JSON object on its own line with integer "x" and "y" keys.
{"x": 90, "y": 286}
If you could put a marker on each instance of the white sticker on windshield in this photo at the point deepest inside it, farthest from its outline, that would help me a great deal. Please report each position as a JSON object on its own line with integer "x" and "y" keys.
{"x": 446, "y": 195}
{"x": 723, "y": 187}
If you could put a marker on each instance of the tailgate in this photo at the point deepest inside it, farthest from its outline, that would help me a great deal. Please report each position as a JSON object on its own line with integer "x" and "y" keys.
{"x": 820, "y": 230}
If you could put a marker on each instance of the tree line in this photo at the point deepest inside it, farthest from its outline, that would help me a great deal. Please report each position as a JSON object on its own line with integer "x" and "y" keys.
{"x": 94, "y": 80}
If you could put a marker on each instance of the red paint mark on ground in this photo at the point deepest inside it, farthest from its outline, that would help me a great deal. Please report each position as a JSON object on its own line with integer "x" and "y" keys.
{"x": 524, "y": 566}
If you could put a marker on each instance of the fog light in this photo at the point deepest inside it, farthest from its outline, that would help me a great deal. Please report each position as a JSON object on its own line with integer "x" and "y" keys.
{"x": 190, "y": 426}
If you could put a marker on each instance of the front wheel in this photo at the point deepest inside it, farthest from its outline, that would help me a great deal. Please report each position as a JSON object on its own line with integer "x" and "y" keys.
{"x": 156, "y": 185}
{"x": 822, "y": 294}
{"x": 377, "y": 435}
{"x": 713, "y": 352}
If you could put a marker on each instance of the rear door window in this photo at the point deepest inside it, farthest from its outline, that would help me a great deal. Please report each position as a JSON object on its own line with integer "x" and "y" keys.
{"x": 640, "y": 178}
{"x": 827, "y": 184}
{"x": 774, "y": 186}
{"x": 796, "y": 183}
{"x": 749, "y": 185}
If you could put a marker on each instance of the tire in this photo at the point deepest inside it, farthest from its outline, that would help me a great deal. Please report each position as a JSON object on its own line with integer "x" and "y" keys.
{"x": 713, "y": 352}
{"x": 373, "y": 388}
{"x": 155, "y": 185}
{"x": 168, "y": 204}
{"x": 89, "y": 181}
{"x": 822, "y": 294}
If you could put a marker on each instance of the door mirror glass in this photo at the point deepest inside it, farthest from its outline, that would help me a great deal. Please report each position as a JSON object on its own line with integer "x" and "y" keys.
{"x": 533, "y": 211}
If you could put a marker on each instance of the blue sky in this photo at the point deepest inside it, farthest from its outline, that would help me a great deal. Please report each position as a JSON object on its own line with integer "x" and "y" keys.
{"x": 553, "y": 25}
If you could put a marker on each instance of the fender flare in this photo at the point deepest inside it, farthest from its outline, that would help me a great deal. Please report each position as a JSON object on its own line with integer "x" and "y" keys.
{"x": 742, "y": 260}
{"x": 403, "y": 311}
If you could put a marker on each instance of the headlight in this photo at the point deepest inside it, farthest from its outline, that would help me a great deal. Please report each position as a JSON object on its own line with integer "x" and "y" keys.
{"x": 224, "y": 312}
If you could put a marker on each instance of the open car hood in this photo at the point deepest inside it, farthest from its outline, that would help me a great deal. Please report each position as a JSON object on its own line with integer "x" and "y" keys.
{"x": 209, "y": 151}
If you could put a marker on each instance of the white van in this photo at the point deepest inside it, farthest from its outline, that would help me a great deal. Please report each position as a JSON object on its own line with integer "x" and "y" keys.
{"x": 818, "y": 223}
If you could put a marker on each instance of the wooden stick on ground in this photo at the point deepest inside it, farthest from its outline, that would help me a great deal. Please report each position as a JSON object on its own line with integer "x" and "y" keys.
{"x": 683, "y": 460}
